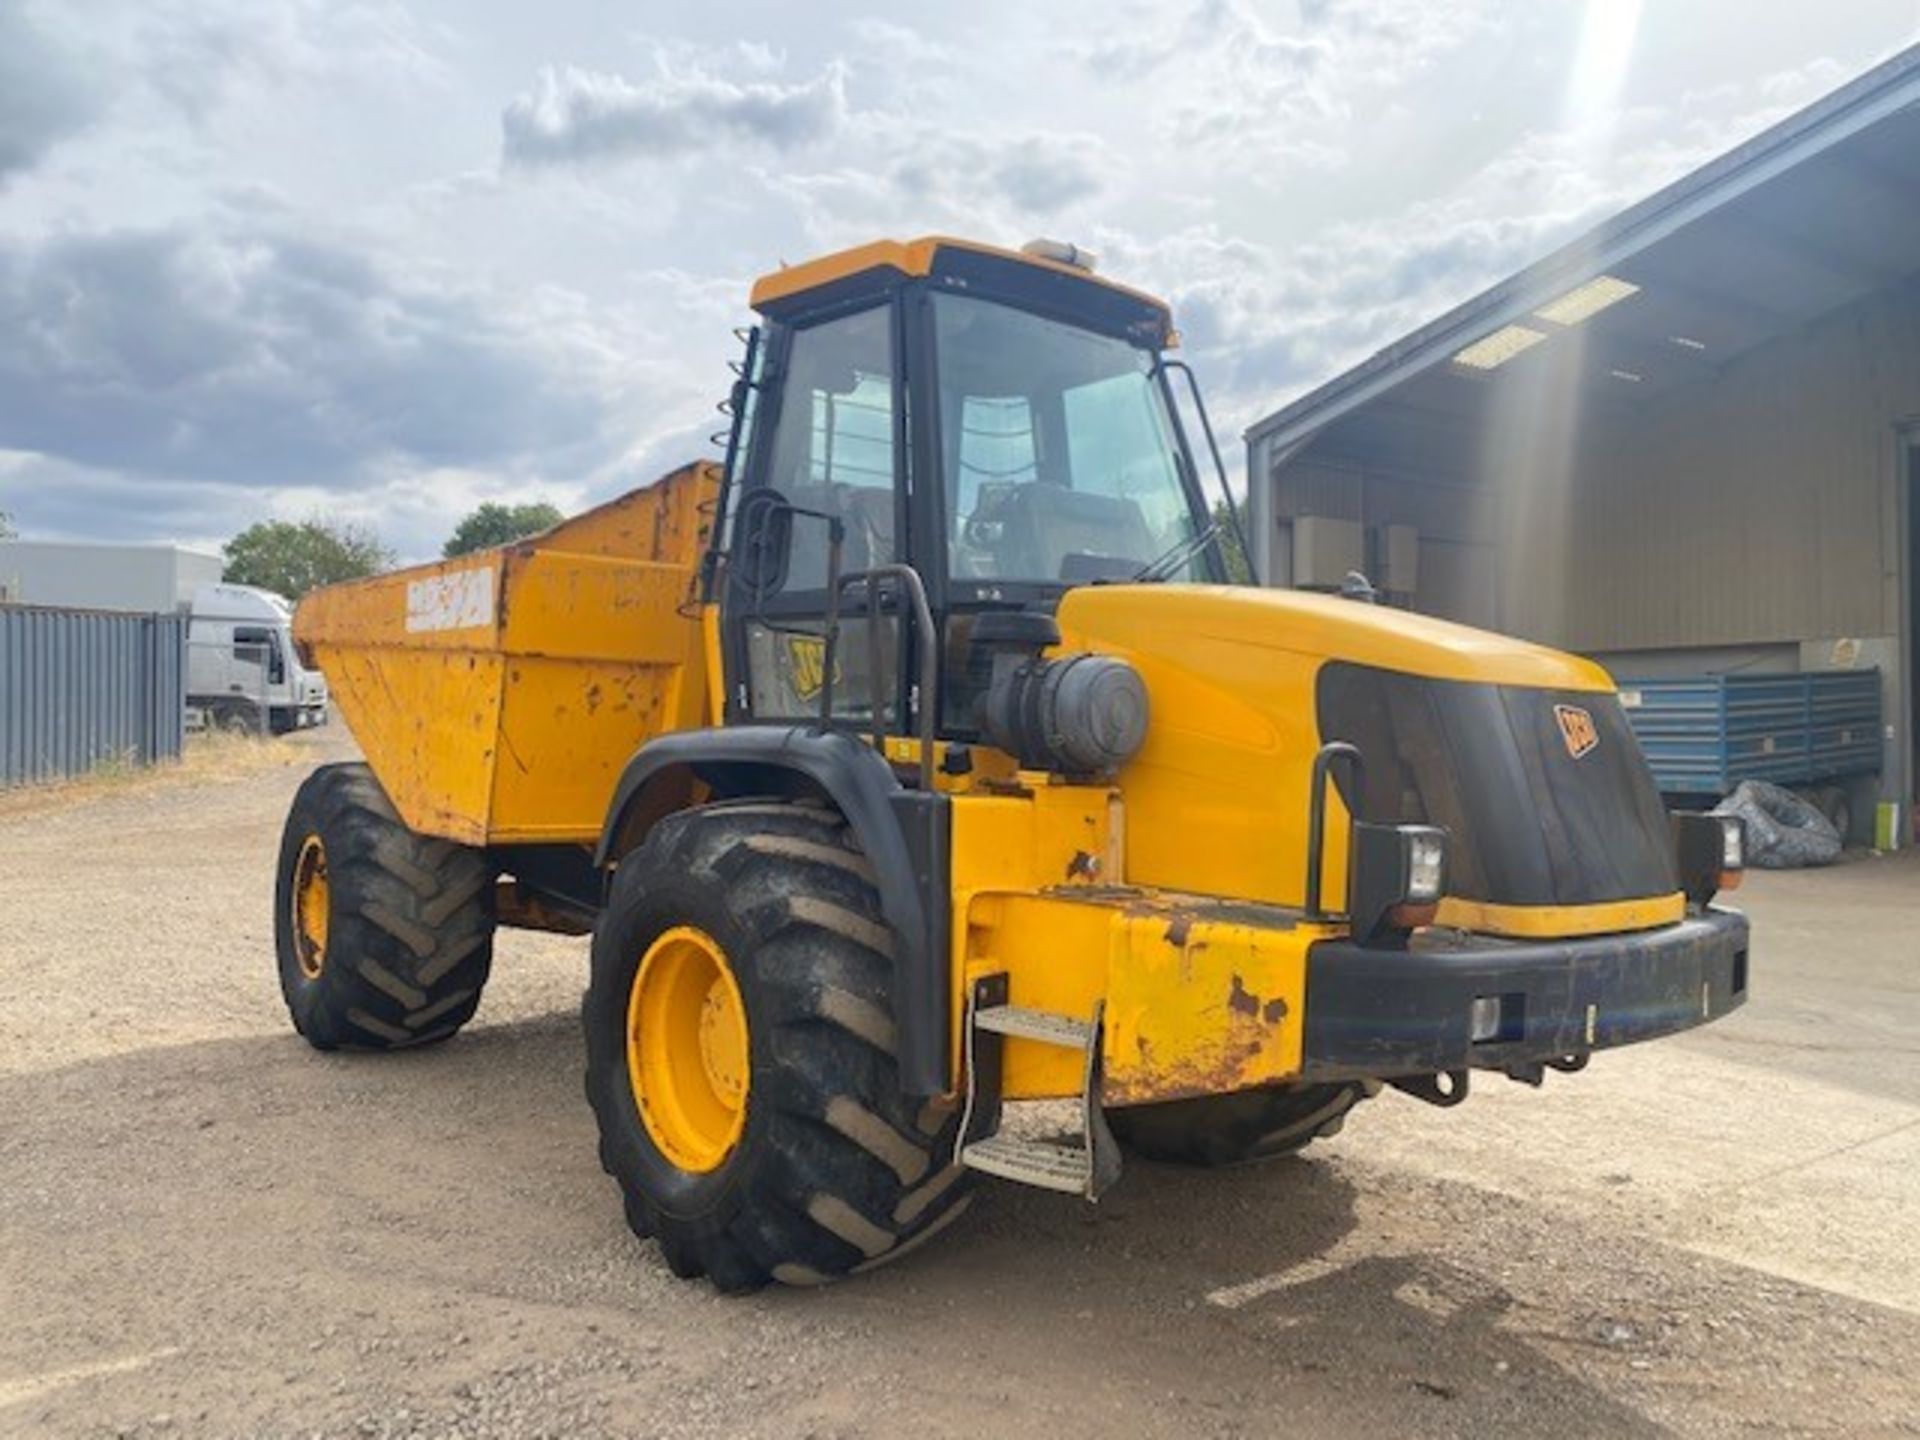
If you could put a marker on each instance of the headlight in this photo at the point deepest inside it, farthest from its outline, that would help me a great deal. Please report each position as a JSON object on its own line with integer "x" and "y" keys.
{"x": 1426, "y": 864}
{"x": 1396, "y": 876}
{"x": 1733, "y": 843}
{"x": 1710, "y": 853}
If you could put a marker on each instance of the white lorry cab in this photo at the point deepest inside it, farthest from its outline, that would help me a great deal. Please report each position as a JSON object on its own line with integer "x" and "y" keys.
{"x": 243, "y": 672}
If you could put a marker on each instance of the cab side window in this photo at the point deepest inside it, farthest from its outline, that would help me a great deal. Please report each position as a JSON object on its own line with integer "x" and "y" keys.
{"x": 832, "y": 447}
{"x": 257, "y": 645}
{"x": 830, "y": 452}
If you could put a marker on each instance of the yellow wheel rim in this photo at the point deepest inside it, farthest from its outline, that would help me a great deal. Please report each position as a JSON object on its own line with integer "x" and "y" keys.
{"x": 687, "y": 1056}
{"x": 312, "y": 905}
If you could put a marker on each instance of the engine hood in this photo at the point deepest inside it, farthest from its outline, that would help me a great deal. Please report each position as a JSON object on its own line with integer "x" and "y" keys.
{"x": 1217, "y": 798}
{"x": 1323, "y": 627}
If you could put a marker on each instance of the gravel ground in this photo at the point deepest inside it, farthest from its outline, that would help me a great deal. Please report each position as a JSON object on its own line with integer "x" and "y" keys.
{"x": 207, "y": 1228}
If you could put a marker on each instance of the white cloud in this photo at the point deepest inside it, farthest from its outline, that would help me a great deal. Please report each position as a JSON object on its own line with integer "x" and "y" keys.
{"x": 573, "y": 116}
{"x": 895, "y": 45}
{"x": 1268, "y": 322}
{"x": 1228, "y": 78}
{"x": 266, "y": 256}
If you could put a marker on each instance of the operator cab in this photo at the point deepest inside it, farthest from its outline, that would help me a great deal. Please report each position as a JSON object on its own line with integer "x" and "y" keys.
{"x": 1002, "y": 422}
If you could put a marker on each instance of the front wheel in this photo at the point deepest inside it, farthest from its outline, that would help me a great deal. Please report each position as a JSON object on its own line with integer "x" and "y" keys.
{"x": 1236, "y": 1129}
{"x": 740, "y": 1054}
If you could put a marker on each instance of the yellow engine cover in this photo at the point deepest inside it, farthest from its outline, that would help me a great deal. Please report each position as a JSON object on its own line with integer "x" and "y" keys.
{"x": 1217, "y": 799}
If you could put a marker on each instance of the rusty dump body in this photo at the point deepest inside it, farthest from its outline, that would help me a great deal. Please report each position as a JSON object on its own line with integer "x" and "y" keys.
{"x": 498, "y": 695}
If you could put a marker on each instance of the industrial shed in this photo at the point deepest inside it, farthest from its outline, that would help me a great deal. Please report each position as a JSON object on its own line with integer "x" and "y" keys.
{"x": 1684, "y": 444}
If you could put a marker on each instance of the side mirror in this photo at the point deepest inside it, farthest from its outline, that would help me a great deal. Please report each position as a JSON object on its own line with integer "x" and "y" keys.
{"x": 764, "y": 546}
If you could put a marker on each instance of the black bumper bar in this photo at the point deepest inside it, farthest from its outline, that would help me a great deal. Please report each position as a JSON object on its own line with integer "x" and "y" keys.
{"x": 1385, "y": 1013}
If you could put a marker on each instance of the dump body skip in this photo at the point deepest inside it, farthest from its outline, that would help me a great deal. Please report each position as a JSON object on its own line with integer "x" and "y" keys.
{"x": 499, "y": 694}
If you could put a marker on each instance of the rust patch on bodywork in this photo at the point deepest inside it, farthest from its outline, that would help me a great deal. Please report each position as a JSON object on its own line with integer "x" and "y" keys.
{"x": 1228, "y": 1063}
{"x": 1208, "y": 1014}
{"x": 1201, "y": 996}
{"x": 1242, "y": 999}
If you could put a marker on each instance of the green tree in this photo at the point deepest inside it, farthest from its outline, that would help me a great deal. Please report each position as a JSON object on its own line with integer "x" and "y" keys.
{"x": 497, "y": 524}
{"x": 1239, "y": 571}
{"x": 6, "y": 526}
{"x": 295, "y": 557}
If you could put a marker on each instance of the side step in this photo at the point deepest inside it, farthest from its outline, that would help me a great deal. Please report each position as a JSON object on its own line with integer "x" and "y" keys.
{"x": 1042, "y": 1025}
{"x": 1087, "y": 1168}
{"x": 1066, "y": 1168}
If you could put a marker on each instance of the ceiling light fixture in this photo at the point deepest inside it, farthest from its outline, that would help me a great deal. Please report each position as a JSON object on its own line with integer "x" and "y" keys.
{"x": 1491, "y": 351}
{"x": 1583, "y": 302}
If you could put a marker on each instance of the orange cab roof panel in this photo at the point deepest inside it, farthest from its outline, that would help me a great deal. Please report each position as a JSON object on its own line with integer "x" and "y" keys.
{"x": 913, "y": 259}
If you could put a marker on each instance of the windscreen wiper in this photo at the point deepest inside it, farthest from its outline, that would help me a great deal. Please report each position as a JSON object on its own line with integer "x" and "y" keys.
{"x": 1164, "y": 564}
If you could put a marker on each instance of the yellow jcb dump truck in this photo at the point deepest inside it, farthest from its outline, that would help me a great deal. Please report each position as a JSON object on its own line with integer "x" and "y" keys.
{"x": 921, "y": 760}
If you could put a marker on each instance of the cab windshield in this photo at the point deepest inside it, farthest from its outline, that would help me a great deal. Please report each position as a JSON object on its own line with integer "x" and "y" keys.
{"x": 1059, "y": 457}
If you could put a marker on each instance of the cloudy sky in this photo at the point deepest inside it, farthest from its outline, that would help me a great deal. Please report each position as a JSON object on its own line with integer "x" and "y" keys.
{"x": 383, "y": 260}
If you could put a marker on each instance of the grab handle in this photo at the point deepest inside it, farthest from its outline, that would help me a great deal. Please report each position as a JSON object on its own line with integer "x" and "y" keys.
{"x": 1332, "y": 753}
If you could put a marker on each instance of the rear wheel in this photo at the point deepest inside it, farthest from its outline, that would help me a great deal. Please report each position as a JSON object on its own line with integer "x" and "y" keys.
{"x": 740, "y": 1054}
{"x": 1235, "y": 1129}
{"x": 238, "y": 717}
{"x": 384, "y": 936}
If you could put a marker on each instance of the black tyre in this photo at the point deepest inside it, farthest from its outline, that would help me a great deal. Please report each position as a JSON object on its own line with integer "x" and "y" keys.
{"x": 385, "y": 936}
{"x": 1235, "y": 1129}
{"x": 239, "y": 717}
{"x": 755, "y": 1124}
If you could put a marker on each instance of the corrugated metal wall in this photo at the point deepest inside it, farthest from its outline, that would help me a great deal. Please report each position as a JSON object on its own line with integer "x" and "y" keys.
{"x": 80, "y": 688}
{"x": 1761, "y": 507}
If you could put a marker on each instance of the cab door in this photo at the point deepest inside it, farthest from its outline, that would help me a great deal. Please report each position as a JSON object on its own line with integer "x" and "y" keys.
{"x": 828, "y": 442}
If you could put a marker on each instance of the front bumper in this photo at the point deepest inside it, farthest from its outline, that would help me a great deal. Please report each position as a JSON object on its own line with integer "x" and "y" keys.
{"x": 1385, "y": 1013}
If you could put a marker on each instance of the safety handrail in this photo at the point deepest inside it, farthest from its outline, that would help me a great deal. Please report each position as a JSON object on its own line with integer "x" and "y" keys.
{"x": 1334, "y": 751}
{"x": 926, "y": 709}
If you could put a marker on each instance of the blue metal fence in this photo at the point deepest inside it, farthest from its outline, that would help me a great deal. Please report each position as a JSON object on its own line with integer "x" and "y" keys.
{"x": 1704, "y": 734}
{"x": 81, "y": 688}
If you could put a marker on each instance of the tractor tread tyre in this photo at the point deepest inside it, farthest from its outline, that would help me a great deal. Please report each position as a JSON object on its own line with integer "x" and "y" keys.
{"x": 1237, "y": 1129}
{"x": 835, "y": 1170}
{"x": 410, "y": 921}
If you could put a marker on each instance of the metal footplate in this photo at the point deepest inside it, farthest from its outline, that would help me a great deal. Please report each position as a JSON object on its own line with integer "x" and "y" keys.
{"x": 1083, "y": 1169}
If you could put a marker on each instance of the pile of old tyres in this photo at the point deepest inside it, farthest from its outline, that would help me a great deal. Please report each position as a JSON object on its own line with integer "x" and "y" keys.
{"x": 1784, "y": 832}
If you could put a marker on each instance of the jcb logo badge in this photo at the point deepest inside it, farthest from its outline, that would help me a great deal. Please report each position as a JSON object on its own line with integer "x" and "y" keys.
{"x": 807, "y": 666}
{"x": 1577, "y": 729}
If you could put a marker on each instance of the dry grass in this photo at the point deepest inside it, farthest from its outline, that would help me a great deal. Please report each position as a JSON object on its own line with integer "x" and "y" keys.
{"x": 209, "y": 756}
